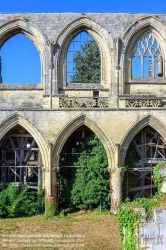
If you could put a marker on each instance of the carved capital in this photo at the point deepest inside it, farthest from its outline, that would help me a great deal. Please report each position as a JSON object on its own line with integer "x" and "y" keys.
{"x": 117, "y": 145}
{"x": 55, "y": 169}
{"x": 117, "y": 67}
{"x": 50, "y": 42}
{"x": 50, "y": 143}
{"x": 45, "y": 169}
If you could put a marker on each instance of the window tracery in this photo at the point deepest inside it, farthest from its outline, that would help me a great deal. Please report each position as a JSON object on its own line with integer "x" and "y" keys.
{"x": 147, "y": 60}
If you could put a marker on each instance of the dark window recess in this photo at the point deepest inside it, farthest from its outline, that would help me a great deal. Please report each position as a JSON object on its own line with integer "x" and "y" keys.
{"x": 95, "y": 94}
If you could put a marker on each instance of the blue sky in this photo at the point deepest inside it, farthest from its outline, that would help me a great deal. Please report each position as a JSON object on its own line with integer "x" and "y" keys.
{"x": 15, "y": 69}
{"x": 82, "y": 6}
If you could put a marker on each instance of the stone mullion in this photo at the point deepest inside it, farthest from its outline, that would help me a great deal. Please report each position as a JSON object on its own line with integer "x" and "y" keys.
{"x": 142, "y": 66}
{"x": 152, "y": 66}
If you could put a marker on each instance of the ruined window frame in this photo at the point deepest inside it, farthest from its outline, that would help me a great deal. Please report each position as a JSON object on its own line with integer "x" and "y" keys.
{"x": 62, "y": 62}
{"x": 128, "y": 58}
{"x": 78, "y": 39}
{"x": 29, "y": 38}
{"x": 71, "y": 38}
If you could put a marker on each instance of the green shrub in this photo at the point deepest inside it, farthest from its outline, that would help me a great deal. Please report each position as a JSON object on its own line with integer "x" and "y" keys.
{"x": 18, "y": 201}
{"x": 50, "y": 211}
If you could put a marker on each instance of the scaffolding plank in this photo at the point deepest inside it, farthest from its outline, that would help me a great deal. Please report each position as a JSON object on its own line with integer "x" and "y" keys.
{"x": 72, "y": 166}
{"x": 20, "y": 135}
{"x": 141, "y": 187}
{"x": 151, "y": 160}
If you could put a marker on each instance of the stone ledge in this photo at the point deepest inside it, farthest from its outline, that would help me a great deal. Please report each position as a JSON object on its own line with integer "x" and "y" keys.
{"x": 26, "y": 86}
{"x": 85, "y": 86}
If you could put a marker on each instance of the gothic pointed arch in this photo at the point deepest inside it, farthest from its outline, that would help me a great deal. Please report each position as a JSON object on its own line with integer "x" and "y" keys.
{"x": 136, "y": 128}
{"x": 141, "y": 23}
{"x": 72, "y": 126}
{"x": 146, "y": 25}
{"x": 22, "y": 26}
{"x": 25, "y": 27}
{"x": 17, "y": 119}
{"x": 99, "y": 34}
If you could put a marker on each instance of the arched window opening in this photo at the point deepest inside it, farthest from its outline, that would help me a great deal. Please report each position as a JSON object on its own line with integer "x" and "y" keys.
{"x": 146, "y": 150}
{"x": 83, "y": 62}
{"x": 20, "y": 61}
{"x": 83, "y": 176}
{"x": 147, "y": 60}
{"x": 20, "y": 158}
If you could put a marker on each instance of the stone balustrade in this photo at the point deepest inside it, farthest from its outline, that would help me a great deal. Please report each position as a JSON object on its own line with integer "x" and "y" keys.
{"x": 83, "y": 102}
{"x": 142, "y": 102}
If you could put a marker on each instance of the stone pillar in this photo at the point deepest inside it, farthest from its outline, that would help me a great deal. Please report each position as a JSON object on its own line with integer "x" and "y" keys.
{"x": 50, "y": 187}
{"x": 115, "y": 188}
{"x": 54, "y": 186}
{"x": 116, "y": 182}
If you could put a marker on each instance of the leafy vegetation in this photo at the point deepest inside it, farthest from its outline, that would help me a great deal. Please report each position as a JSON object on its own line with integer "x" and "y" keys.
{"x": 18, "y": 201}
{"x": 157, "y": 176}
{"x": 50, "y": 210}
{"x": 129, "y": 219}
{"x": 87, "y": 186}
{"x": 87, "y": 63}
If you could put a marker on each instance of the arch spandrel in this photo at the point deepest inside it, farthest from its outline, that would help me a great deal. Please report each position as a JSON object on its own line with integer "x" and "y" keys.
{"x": 136, "y": 128}
{"x": 79, "y": 24}
{"x": 72, "y": 126}
{"x": 17, "y": 119}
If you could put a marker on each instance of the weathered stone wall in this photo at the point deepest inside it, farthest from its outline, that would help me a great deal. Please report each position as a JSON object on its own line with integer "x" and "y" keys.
{"x": 37, "y": 106}
{"x": 152, "y": 235}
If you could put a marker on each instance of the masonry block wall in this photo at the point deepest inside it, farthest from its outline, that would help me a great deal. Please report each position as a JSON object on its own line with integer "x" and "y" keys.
{"x": 126, "y": 104}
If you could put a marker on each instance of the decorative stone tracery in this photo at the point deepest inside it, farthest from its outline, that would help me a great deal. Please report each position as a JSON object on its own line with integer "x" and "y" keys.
{"x": 133, "y": 103}
{"x": 83, "y": 102}
{"x": 147, "y": 48}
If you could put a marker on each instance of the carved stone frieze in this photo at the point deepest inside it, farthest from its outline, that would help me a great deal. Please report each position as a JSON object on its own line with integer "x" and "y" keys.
{"x": 83, "y": 102}
{"x": 143, "y": 103}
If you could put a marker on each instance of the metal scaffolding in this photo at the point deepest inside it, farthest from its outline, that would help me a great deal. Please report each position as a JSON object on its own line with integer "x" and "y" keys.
{"x": 149, "y": 149}
{"x": 20, "y": 160}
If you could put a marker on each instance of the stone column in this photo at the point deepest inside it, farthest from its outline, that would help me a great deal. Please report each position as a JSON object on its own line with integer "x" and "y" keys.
{"x": 54, "y": 186}
{"x": 50, "y": 187}
{"x": 116, "y": 182}
{"x": 115, "y": 188}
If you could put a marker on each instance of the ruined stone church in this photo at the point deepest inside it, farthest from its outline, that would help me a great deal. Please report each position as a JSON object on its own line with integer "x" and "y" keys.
{"x": 125, "y": 107}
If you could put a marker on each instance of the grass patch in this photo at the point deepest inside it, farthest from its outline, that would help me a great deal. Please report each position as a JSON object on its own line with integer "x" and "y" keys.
{"x": 94, "y": 230}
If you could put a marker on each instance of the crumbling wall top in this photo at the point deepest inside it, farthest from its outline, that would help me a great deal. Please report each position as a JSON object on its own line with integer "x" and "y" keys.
{"x": 52, "y": 23}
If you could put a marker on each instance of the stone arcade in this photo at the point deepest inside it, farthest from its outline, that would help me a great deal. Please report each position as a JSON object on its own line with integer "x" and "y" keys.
{"x": 46, "y": 114}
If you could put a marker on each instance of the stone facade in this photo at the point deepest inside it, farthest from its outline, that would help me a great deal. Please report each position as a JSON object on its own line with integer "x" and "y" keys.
{"x": 53, "y": 110}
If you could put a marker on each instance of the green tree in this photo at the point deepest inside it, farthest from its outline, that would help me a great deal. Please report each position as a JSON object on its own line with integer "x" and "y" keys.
{"x": 86, "y": 187}
{"x": 87, "y": 63}
{"x": 91, "y": 186}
